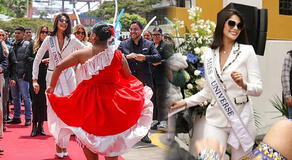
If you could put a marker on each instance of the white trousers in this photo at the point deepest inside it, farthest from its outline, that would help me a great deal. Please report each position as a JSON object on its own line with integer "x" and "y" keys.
{"x": 221, "y": 134}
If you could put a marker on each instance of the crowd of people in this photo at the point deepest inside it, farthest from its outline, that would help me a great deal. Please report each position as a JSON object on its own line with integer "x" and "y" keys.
{"x": 31, "y": 66}
{"x": 80, "y": 84}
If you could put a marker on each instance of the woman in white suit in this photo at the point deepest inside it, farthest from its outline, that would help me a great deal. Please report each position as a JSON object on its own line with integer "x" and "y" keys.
{"x": 232, "y": 75}
{"x": 60, "y": 44}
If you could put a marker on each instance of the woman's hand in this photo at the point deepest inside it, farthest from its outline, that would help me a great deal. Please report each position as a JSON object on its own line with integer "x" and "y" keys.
{"x": 238, "y": 79}
{"x": 12, "y": 83}
{"x": 131, "y": 56}
{"x": 50, "y": 90}
{"x": 36, "y": 87}
{"x": 177, "y": 105}
{"x": 46, "y": 60}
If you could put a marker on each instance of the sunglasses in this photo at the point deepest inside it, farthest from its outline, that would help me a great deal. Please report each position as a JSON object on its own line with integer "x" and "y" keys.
{"x": 134, "y": 29}
{"x": 64, "y": 20}
{"x": 156, "y": 35}
{"x": 232, "y": 24}
{"x": 83, "y": 33}
{"x": 44, "y": 32}
{"x": 2, "y": 35}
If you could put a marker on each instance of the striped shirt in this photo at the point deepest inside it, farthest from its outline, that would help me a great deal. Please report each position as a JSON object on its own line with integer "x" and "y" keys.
{"x": 285, "y": 77}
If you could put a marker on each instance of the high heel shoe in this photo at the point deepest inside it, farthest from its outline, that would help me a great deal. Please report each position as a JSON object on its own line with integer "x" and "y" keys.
{"x": 65, "y": 154}
{"x": 59, "y": 155}
{"x": 34, "y": 131}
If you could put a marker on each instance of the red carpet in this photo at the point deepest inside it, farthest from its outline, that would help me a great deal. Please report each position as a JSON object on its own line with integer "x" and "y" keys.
{"x": 18, "y": 145}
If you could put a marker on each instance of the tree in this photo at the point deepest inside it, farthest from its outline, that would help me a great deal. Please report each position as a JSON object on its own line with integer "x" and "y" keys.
{"x": 107, "y": 10}
{"x": 127, "y": 18}
{"x": 19, "y": 7}
{"x": 43, "y": 14}
{"x": 32, "y": 23}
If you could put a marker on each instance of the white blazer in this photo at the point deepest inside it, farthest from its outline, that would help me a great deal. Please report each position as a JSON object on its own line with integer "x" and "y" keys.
{"x": 70, "y": 45}
{"x": 247, "y": 64}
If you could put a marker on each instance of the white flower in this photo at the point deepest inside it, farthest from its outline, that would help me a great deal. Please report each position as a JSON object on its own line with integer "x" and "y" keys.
{"x": 199, "y": 40}
{"x": 197, "y": 50}
{"x": 208, "y": 31}
{"x": 197, "y": 35}
{"x": 190, "y": 86}
{"x": 187, "y": 76}
{"x": 197, "y": 72}
{"x": 200, "y": 82}
{"x": 194, "y": 27}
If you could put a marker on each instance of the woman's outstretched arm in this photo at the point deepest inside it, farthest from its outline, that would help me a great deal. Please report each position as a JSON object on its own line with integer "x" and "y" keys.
{"x": 72, "y": 60}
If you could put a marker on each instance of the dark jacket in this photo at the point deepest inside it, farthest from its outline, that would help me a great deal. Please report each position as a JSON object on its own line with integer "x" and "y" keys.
{"x": 3, "y": 60}
{"x": 20, "y": 52}
{"x": 29, "y": 61}
{"x": 11, "y": 71}
{"x": 159, "y": 72}
{"x": 141, "y": 70}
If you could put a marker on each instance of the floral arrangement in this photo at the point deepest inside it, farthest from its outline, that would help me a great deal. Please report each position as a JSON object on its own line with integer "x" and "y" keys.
{"x": 192, "y": 45}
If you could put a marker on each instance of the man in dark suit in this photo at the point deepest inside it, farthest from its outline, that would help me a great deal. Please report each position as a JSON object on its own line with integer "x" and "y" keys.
{"x": 140, "y": 54}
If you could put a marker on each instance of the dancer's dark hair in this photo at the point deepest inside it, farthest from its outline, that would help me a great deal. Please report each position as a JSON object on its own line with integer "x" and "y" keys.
{"x": 103, "y": 31}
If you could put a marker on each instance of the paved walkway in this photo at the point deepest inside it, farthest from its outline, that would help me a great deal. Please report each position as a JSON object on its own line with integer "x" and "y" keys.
{"x": 144, "y": 151}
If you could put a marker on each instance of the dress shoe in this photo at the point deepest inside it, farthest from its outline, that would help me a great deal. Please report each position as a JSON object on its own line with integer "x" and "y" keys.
{"x": 14, "y": 121}
{"x": 8, "y": 118}
{"x": 27, "y": 122}
{"x": 146, "y": 139}
{"x": 34, "y": 131}
{"x": 41, "y": 129}
{"x": 42, "y": 132}
{"x": 154, "y": 125}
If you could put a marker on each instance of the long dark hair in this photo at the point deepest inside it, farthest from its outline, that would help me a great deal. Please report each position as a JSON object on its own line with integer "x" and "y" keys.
{"x": 218, "y": 35}
{"x": 68, "y": 30}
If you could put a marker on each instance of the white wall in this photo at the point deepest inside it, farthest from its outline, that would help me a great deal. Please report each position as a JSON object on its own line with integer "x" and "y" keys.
{"x": 256, "y": 3}
{"x": 271, "y": 67}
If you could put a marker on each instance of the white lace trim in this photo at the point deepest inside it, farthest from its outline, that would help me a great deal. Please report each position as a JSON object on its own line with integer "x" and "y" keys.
{"x": 92, "y": 66}
{"x": 115, "y": 145}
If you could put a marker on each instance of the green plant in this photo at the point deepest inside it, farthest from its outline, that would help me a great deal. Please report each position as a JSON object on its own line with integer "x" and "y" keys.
{"x": 32, "y": 23}
{"x": 278, "y": 103}
{"x": 127, "y": 19}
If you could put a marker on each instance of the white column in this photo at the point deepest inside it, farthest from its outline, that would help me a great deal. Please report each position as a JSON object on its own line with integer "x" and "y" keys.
{"x": 255, "y": 3}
